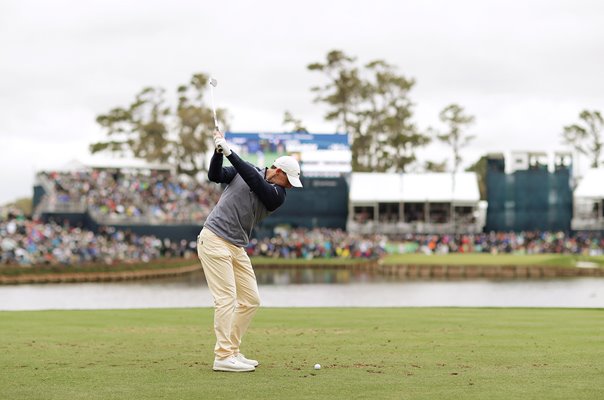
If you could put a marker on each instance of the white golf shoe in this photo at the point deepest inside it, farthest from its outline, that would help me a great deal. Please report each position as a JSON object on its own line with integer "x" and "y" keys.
{"x": 232, "y": 364}
{"x": 241, "y": 358}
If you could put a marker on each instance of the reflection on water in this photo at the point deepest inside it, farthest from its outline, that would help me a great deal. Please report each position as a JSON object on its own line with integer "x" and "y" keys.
{"x": 312, "y": 288}
{"x": 297, "y": 276}
{"x": 308, "y": 275}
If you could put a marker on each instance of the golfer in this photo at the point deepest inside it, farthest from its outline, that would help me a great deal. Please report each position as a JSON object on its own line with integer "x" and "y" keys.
{"x": 250, "y": 195}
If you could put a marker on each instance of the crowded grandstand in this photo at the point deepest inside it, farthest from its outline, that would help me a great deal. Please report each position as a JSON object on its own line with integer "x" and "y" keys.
{"x": 132, "y": 212}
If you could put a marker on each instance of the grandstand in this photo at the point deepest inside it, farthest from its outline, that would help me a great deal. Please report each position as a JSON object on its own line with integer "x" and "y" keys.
{"x": 528, "y": 193}
{"x": 130, "y": 210}
{"x": 391, "y": 203}
{"x": 532, "y": 193}
{"x": 588, "y": 202}
{"x": 148, "y": 199}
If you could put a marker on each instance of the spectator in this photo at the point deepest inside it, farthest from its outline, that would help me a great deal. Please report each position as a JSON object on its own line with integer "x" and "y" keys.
{"x": 155, "y": 196}
{"x": 26, "y": 242}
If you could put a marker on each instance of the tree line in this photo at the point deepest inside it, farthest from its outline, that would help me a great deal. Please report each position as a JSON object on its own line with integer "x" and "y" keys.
{"x": 371, "y": 102}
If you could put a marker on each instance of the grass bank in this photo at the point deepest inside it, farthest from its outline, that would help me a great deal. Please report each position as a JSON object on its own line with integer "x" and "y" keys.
{"x": 406, "y": 353}
{"x": 554, "y": 260}
{"x": 53, "y": 273}
{"x": 165, "y": 263}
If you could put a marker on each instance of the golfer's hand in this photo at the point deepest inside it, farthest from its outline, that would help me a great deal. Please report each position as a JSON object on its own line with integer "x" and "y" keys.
{"x": 222, "y": 146}
{"x": 218, "y": 134}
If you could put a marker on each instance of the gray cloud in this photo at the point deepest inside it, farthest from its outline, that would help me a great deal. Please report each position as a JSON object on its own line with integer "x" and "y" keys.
{"x": 523, "y": 68}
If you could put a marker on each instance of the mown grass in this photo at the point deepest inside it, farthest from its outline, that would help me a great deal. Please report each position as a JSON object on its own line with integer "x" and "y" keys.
{"x": 559, "y": 260}
{"x": 161, "y": 264}
{"x": 395, "y": 353}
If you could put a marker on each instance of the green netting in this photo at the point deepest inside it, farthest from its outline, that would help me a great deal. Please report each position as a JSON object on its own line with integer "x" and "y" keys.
{"x": 323, "y": 202}
{"x": 533, "y": 199}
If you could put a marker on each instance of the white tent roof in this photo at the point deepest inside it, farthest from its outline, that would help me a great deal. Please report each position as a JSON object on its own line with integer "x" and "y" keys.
{"x": 426, "y": 187}
{"x": 591, "y": 185}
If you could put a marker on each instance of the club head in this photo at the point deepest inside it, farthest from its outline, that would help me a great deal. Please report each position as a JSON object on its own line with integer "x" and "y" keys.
{"x": 213, "y": 82}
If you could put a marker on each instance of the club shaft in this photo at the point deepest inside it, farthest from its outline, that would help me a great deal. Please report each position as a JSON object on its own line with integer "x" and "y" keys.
{"x": 214, "y": 107}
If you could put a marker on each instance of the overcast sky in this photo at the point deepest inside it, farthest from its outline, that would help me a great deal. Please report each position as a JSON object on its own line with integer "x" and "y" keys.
{"x": 523, "y": 68}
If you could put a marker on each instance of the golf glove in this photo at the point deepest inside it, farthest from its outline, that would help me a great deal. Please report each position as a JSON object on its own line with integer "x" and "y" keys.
{"x": 222, "y": 146}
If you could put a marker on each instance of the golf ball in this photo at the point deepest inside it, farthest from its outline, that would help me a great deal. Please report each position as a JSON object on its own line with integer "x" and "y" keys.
{"x": 317, "y": 366}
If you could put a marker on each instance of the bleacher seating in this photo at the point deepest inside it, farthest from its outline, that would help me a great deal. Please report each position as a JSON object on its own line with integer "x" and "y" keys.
{"x": 114, "y": 197}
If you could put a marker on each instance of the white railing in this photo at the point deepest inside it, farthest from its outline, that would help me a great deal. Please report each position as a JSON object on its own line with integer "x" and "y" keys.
{"x": 394, "y": 228}
{"x": 145, "y": 219}
{"x": 590, "y": 224}
{"x": 50, "y": 204}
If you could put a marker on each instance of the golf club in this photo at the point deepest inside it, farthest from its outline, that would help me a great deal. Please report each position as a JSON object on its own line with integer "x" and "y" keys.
{"x": 213, "y": 83}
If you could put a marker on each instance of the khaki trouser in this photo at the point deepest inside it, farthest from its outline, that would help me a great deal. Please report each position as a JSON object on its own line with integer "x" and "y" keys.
{"x": 233, "y": 285}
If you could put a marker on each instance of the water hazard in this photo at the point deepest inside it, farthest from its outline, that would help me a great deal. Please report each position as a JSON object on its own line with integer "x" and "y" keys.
{"x": 312, "y": 288}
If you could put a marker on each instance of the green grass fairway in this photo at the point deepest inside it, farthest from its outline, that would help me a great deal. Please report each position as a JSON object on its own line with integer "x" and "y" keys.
{"x": 389, "y": 353}
{"x": 559, "y": 260}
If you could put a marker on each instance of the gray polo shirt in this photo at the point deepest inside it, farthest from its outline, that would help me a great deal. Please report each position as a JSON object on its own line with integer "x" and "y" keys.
{"x": 247, "y": 199}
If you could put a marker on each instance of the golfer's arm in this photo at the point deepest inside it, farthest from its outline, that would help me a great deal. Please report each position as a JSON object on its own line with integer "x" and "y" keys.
{"x": 272, "y": 196}
{"x": 219, "y": 174}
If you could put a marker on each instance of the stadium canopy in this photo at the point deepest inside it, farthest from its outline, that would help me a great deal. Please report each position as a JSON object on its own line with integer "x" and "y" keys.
{"x": 368, "y": 187}
{"x": 591, "y": 185}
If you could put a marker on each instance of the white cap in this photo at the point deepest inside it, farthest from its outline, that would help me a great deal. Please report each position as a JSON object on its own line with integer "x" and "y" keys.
{"x": 290, "y": 166}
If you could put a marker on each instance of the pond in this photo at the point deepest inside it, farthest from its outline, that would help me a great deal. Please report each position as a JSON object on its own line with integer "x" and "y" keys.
{"x": 312, "y": 288}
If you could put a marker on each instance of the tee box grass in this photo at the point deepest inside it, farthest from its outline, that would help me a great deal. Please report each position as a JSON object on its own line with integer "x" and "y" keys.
{"x": 365, "y": 353}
